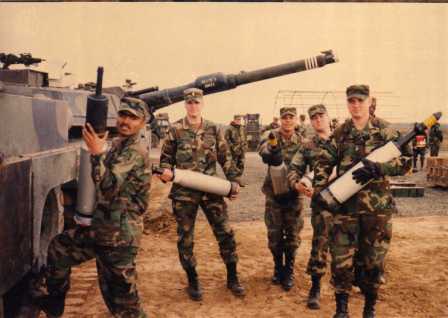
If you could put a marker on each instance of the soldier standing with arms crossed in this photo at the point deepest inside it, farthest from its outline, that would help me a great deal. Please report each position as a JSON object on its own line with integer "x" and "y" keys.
{"x": 283, "y": 217}
{"x": 122, "y": 178}
{"x": 236, "y": 138}
{"x": 321, "y": 220}
{"x": 364, "y": 222}
{"x": 196, "y": 144}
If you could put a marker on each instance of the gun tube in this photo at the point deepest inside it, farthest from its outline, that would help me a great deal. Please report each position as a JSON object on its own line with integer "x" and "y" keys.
{"x": 345, "y": 186}
{"x": 218, "y": 82}
{"x": 96, "y": 115}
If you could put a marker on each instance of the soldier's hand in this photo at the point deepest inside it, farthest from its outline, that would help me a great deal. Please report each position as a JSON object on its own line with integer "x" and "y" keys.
{"x": 370, "y": 170}
{"x": 96, "y": 144}
{"x": 302, "y": 188}
{"x": 234, "y": 191}
{"x": 166, "y": 176}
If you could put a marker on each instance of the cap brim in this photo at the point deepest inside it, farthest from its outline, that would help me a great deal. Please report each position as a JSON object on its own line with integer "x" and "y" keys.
{"x": 130, "y": 110}
{"x": 317, "y": 112}
{"x": 359, "y": 96}
{"x": 287, "y": 113}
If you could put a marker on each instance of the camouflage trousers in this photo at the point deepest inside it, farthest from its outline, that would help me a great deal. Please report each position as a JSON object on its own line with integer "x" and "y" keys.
{"x": 360, "y": 238}
{"x": 238, "y": 159}
{"x": 284, "y": 222}
{"x": 215, "y": 210}
{"x": 321, "y": 222}
{"x": 434, "y": 149}
{"x": 116, "y": 269}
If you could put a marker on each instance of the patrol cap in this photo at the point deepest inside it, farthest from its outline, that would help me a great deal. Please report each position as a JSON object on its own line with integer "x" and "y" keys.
{"x": 317, "y": 109}
{"x": 193, "y": 94}
{"x": 288, "y": 111}
{"x": 134, "y": 106}
{"x": 237, "y": 116}
{"x": 358, "y": 91}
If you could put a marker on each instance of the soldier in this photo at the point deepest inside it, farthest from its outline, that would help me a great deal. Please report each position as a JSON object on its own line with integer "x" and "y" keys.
{"x": 363, "y": 223}
{"x": 273, "y": 125}
{"x": 196, "y": 144}
{"x": 419, "y": 146}
{"x": 300, "y": 128}
{"x": 372, "y": 107}
{"x": 334, "y": 124}
{"x": 122, "y": 180}
{"x": 283, "y": 217}
{"x": 435, "y": 139}
{"x": 235, "y": 136}
{"x": 321, "y": 220}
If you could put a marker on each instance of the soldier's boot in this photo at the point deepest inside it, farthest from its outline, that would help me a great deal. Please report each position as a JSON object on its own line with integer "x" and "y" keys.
{"x": 278, "y": 267}
{"x": 52, "y": 305}
{"x": 194, "y": 288}
{"x": 369, "y": 304}
{"x": 314, "y": 294}
{"x": 288, "y": 271}
{"x": 232, "y": 281}
{"x": 341, "y": 306}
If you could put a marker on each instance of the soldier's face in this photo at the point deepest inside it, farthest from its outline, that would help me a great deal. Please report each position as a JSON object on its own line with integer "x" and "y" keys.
{"x": 128, "y": 124}
{"x": 359, "y": 108}
{"x": 237, "y": 121}
{"x": 288, "y": 122}
{"x": 320, "y": 122}
{"x": 194, "y": 108}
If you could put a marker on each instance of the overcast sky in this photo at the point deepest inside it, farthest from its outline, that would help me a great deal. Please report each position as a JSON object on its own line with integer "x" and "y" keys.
{"x": 397, "y": 48}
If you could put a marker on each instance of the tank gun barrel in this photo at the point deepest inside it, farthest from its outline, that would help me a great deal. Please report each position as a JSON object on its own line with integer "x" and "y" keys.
{"x": 218, "y": 82}
{"x": 142, "y": 91}
{"x": 25, "y": 58}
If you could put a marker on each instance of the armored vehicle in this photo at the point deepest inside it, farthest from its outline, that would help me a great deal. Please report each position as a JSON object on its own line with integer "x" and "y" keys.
{"x": 40, "y": 139}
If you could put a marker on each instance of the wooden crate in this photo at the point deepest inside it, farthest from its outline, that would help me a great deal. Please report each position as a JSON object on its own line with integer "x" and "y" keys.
{"x": 437, "y": 171}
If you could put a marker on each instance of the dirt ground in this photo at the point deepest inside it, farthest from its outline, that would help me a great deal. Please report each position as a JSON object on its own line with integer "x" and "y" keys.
{"x": 416, "y": 267}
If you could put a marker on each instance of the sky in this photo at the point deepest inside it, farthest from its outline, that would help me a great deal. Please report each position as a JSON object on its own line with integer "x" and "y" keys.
{"x": 399, "y": 50}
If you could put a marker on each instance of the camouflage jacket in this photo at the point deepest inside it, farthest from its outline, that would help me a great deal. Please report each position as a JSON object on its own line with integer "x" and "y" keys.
{"x": 289, "y": 148}
{"x": 122, "y": 178}
{"x": 236, "y": 138}
{"x": 196, "y": 150}
{"x": 306, "y": 156}
{"x": 301, "y": 130}
{"x": 270, "y": 127}
{"x": 350, "y": 145}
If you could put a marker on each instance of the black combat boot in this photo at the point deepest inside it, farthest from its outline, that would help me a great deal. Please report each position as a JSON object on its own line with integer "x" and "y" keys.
{"x": 288, "y": 271}
{"x": 194, "y": 288}
{"x": 278, "y": 267}
{"x": 232, "y": 281}
{"x": 341, "y": 306}
{"x": 314, "y": 295}
{"x": 369, "y": 304}
{"x": 52, "y": 304}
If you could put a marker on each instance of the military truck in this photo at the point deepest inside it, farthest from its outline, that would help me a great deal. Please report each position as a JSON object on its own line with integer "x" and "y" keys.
{"x": 40, "y": 138}
{"x": 253, "y": 130}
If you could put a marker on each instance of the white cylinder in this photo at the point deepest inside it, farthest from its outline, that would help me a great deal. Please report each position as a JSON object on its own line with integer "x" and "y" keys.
{"x": 345, "y": 187}
{"x": 279, "y": 179}
{"x": 202, "y": 182}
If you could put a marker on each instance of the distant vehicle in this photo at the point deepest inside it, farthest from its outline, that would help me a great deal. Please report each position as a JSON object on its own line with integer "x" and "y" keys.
{"x": 253, "y": 130}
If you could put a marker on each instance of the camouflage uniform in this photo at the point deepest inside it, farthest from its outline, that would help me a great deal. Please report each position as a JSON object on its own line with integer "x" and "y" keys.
{"x": 301, "y": 130}
{"x": 283, "y": 219}
{"x": 122, "y": 180}
{"x": 364, "y": 222}
{"x": 236, "y": 138}
{"x": 321, "y": 220}
{"x": 185, "y": 148}
{"x": 435, "y": 139}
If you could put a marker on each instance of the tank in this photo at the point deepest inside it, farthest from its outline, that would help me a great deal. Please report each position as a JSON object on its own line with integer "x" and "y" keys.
{"x": 40, "y": 140}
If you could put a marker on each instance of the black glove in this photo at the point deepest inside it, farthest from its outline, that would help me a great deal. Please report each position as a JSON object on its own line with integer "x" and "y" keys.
{"x": 370, "y": 170}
